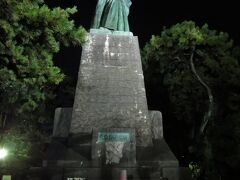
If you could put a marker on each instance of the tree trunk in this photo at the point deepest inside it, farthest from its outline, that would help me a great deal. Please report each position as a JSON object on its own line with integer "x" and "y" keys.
{"x": 209, "y": 113}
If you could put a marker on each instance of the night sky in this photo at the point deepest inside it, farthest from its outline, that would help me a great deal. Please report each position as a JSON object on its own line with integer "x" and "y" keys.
{"x": 148, "y": 17}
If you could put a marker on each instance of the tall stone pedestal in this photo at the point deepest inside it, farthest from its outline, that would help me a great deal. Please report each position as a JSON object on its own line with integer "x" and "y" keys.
{"x": 109, "y": 132}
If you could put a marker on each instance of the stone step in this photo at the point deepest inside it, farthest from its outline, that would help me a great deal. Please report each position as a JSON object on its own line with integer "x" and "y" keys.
{"x": 80, "y": 139}
{"x": 39, "y": 173}
{"x": 92, "y": 174}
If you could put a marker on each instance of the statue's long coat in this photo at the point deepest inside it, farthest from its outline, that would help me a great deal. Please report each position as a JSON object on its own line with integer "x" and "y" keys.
{"x": 112, "y": 14}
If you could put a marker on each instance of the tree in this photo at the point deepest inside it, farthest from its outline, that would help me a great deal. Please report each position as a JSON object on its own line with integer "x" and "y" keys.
{"x": 201, "y": 76}
{"x": 30, "y": 34}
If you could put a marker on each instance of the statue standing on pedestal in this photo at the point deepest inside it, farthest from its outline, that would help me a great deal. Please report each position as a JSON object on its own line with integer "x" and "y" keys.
{"x": 112, "y": 14}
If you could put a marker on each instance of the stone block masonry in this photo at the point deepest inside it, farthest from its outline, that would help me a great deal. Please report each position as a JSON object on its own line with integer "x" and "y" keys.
{"x": 110, "y": 91}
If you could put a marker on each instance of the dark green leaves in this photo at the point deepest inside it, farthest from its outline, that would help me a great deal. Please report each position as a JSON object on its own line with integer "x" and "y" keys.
{"x": 215, "y": 60}
{"x": 31, "y": 33}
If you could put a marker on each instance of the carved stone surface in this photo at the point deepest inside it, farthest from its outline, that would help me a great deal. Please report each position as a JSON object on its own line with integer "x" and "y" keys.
{"x": 114, "y": 146}
{"x": 110, "y": 90}
{"x": 107, "y": 31}
{"x": 114, "y": 151}
{"x": 156, "y": 122}
{"x": 62, "y": 121}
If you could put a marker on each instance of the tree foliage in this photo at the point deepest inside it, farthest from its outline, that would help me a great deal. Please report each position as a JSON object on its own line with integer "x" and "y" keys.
{"x": 200, "y": 72}
{"x": 31, "y": 33}
{"x": 25, "y": 148}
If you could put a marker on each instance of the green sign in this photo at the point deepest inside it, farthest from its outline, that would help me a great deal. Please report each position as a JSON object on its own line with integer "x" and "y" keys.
{"x": 6, "y": 177}
{"x": 113, "y": 136}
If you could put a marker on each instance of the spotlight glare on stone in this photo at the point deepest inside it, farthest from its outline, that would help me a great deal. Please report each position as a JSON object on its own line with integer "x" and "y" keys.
{"x": 3, "y": 153}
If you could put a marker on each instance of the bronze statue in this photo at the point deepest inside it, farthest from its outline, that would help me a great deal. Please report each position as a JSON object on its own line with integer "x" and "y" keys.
{"x": 112, "y": 14}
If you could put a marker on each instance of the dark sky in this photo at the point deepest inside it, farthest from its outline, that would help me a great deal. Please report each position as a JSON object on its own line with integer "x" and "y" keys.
{"x": 148, "y": 17}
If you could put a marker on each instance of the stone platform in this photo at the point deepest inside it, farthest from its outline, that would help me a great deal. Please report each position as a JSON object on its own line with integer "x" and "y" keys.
{"x": 109, "y": 128}
{"x": 72, "y": 156}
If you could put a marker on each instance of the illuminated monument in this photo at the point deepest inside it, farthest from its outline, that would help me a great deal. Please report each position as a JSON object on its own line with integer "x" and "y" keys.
{"x": 109, "y": 129}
